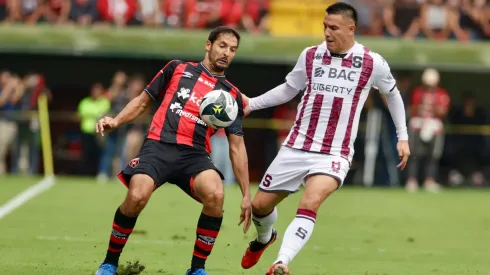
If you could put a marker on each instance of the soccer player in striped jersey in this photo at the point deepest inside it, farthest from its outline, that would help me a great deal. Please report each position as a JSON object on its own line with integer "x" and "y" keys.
{"x": 337, "y": 76}
{"x": 177, "y": 147}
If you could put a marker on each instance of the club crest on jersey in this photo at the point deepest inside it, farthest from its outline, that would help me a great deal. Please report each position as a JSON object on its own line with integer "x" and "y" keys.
{"x": 335, "y": 166}
{"x": 134, "y": 162}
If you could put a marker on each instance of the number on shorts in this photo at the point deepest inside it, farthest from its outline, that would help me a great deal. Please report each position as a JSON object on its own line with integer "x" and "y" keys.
{"x": 301, "y": 232}
{"x": 267, "y": 180}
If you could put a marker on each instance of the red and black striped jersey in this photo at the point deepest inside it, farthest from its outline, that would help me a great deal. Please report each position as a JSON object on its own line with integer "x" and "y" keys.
{"x": 178, "y": 89}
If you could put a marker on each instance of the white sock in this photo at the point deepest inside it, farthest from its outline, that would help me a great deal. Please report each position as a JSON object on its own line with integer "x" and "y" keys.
{"x": 297, "y": 235}
{"x": 264, "y": 225}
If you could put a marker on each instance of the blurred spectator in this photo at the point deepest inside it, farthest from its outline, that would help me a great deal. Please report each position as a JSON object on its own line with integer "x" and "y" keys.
{"x": 26, "y": 153}
{"x": 221, "y": 156}
{"x": 402, "y": 18}
{"x": 467, "y": 151}
{"x": 56, "y": 11}
{"x": 83, "y": 12}
{"x": 3, "y": 10}
{"x": 429, "y": 107}
{"x": 474, "y": 18}
{"x": 438, "y": 20}
{"x": 369, "y": 14}
{"x": 251, "y": 15}
{"x": 117, "y": 12}
{"x": 28, "y": 11}
{"x": 114, "y": 140}
{"x": 380, "y": 144}
{"x": 90, "y": 109}
{"x": 10, "y": 92}
{"x": 136, "y": 130}
{"x": 149, "y": 13}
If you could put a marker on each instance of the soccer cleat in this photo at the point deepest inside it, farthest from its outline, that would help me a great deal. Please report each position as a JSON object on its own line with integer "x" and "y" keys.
{"x": 106, "y": 269}
{"x": 255, "y": 250}
{"x": 278, "y": 269}
{"x": 199, "y": 271}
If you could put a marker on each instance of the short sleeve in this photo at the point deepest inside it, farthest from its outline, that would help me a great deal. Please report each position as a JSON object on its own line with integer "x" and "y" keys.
{"x": 297, "y": 78}
{"x": 236, "y": 128}
{"x": 383, "y": 79}
{"x": 158, "y": 85}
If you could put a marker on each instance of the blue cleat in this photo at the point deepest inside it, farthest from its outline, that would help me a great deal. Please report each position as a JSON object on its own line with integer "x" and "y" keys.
{"x": 199, "y": 271}
{"x": 108, "y": 269}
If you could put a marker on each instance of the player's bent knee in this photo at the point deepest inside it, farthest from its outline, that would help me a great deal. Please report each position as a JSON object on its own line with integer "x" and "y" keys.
{"x": 139, "y": 193}
{"x": 209, "y": 189}
{"x": 264, "y": 202}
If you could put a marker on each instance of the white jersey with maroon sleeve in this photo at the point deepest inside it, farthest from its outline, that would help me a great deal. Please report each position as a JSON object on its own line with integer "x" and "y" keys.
{"x": 335, "y": 90}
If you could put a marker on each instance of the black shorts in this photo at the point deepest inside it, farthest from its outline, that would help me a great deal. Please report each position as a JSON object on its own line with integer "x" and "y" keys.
{"x": 166, "y": 162}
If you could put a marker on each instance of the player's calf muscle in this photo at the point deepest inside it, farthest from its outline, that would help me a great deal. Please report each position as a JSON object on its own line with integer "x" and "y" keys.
{"x": 140, "y": 190}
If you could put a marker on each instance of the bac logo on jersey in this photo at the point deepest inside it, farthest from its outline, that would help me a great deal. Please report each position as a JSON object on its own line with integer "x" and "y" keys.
{"x": 319, "y": 72}
{"x": 207, "y": 83}
{"x": 335, "y": 166}
{"x": 134, "y": 162}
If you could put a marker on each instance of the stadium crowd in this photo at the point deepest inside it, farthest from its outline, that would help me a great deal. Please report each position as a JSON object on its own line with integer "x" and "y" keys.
{"x": 433, "y": 19}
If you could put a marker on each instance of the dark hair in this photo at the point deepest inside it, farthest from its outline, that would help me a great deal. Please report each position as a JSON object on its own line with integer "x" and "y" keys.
{"x": 219, "y": 31}
{"x": 343, "y": 9}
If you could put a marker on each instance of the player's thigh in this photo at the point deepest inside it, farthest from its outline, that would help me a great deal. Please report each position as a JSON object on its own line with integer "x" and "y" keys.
{"x": 325, "y": 176}
{"x": 199, "y": 178}
{"x": 154, "y": 161}
{"x": 318, "y": 188}
{"x": 286, "y": 172}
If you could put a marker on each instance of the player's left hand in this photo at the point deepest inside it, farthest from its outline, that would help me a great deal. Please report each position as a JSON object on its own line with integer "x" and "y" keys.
{"x": 246, "y": 213}
{"x": 403, "y": 152}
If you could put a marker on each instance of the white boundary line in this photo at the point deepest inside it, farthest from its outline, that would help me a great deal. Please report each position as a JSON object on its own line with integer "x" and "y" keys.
{"x": 26, "y": 196}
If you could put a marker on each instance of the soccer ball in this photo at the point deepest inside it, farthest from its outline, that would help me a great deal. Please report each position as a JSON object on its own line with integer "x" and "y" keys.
{"x": 218, "y": 109}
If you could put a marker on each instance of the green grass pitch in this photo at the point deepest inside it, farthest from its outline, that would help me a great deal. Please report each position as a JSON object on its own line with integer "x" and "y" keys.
{"x": 65, "y": 231}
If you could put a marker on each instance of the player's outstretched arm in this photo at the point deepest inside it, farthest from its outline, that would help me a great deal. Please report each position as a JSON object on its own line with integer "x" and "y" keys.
{"x": 295, "y": 82}
{"x": 239, "y": 160}
{"x": 277, "y": 96}
{"x": 133, "y": 109}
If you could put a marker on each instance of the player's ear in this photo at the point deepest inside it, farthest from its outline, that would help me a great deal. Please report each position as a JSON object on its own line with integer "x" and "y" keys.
{"x": 352, "y": 30}
{"x": 208, "y": 46}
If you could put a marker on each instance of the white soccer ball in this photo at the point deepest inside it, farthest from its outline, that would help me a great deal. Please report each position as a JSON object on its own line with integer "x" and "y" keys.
{"x": 218, "y": 109}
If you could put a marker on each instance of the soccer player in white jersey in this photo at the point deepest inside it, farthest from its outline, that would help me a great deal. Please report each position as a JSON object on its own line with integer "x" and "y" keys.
{"x": 337, "y": 76}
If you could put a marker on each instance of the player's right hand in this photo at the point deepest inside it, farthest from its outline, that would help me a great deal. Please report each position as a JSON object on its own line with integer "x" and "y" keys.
{"x": 105, "y": 124}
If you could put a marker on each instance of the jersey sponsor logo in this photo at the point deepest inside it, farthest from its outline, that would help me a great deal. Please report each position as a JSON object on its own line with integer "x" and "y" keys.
{"x": 183, "y": 93}
{"x": 207, "y": 83}
{"x": 331, "y": 88}
{"x": 176, "y": 107}
{"x": 319, "y": 72}
{"x": 344, "y": 74}
{"x": 134, "y": 162}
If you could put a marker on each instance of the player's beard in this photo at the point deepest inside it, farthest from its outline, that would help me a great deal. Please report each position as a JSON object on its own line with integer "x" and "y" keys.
{"x": 219, "y": 68}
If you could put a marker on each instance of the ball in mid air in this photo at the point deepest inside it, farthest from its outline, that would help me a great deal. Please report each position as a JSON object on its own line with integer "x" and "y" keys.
{"x": 218, "y": 109}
